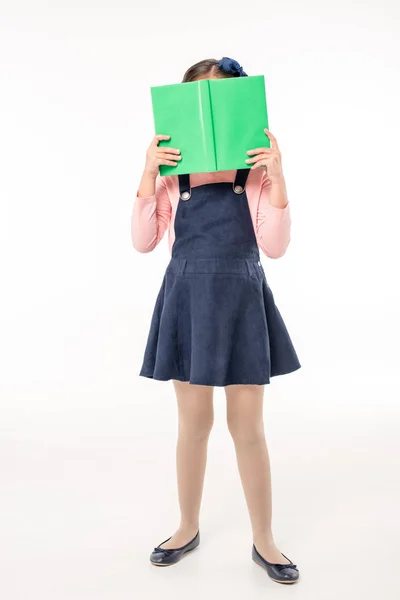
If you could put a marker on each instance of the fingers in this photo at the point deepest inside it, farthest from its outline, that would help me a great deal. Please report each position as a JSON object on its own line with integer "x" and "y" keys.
{"x": 164, "y": 149}
{"x": 273, "y": 140}
{"x": 168, "y": 155}
{"x": 168, "y": 150}
{"x": 259, "y": 156}
{"x": 258, "y": 150}
{"x": 274, "y": 143}
{"x": 161, "y": 155}
{"x": 158, "y": 137}
{"x": 258, "y": 165}
{"x": 166, "y": 162}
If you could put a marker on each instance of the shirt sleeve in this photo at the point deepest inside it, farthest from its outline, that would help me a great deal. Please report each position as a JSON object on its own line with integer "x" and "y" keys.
{"x": 273, "y": 223}
{"x": 150, "y": 218}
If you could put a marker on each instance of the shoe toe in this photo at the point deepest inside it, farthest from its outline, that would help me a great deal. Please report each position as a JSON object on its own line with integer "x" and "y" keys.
{"x": 289, "y": 574}
{"x": 162, "y": 558}
{"x": 169, "y": 556}
{"x": 156, "y": 557}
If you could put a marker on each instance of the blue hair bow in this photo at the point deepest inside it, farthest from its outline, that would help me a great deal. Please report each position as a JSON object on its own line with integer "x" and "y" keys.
{"x": 231, "y": 66}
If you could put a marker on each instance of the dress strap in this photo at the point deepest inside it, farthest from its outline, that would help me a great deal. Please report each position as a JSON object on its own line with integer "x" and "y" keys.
{"x": 240, "y": 180}
{"x": 184, "y": 186}
{"x": 238, "y": 185}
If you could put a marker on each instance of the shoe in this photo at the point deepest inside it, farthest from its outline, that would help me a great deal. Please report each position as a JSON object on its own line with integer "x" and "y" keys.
{"x": 282, "y": 573}
{"x": 163, "y": 557}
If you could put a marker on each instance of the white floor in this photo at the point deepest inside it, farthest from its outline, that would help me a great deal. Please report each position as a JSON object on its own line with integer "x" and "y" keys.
{"x": 88, "y": 489}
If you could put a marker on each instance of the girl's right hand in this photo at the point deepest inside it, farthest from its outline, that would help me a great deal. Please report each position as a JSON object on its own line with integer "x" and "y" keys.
{"x": 156, "y": 155}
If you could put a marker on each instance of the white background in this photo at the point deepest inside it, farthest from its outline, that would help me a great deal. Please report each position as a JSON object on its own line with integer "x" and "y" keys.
{"x": 87, "y": 446}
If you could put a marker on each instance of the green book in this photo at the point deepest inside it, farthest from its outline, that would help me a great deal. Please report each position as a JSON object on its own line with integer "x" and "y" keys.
{"x": 212, "y": 121}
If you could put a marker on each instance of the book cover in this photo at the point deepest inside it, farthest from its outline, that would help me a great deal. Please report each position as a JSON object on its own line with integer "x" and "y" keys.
{"x": 212, "y": 121}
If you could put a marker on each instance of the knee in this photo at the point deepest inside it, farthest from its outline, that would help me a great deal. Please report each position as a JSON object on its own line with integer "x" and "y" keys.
{"x": 245, "y": 431}
{"x": 196, "y": 427}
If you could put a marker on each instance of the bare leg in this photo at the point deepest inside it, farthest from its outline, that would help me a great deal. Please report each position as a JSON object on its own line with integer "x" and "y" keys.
{"x": 196, "y": 417}
{"x": 246, "y": 425}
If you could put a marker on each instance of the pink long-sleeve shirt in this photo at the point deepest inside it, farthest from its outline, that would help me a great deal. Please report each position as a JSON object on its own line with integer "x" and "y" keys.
{"x": 153, "y": 215}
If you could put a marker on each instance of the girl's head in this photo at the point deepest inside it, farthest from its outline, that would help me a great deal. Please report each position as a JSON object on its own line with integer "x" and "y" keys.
{"x": 214, "y": 69}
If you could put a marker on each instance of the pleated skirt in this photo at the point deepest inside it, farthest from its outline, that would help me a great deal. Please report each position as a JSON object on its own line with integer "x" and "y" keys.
{"x": 215, "y": 323}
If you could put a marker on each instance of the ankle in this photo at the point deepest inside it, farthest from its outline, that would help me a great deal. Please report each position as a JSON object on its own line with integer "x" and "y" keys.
{"x": 263, "y": 538}
{"x": 189, "y": 527}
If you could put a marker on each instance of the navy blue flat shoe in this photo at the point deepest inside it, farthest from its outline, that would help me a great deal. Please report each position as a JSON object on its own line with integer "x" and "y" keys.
{"x": 282, "y": 573}
{"x": 163, "y": 557}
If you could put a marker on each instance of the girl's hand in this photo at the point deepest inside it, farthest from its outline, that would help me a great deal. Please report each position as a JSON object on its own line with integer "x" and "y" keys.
{"x": 269, "y": 158}
{"x": 156, "y": 155}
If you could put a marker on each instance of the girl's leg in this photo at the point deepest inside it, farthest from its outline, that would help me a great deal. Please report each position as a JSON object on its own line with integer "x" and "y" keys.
{"x": 195, "y": 421}
{"x": 246, "y": 426}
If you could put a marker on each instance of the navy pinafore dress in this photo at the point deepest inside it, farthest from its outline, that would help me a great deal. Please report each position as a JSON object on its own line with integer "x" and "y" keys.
{"x": 215, "y": 321}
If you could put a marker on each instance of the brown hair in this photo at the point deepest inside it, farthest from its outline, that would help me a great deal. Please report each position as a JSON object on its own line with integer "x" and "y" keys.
{"x": 204, "y": 69}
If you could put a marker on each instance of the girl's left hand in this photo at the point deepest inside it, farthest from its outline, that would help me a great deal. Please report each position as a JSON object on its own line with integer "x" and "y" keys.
{"x": 269, "y": 158}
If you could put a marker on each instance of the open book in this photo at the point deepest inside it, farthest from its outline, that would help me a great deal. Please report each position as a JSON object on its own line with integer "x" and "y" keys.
{"x": 212, "y": 121}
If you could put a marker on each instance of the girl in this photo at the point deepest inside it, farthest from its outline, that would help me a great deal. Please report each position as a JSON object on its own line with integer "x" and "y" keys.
{"x": 215, "y": 322}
